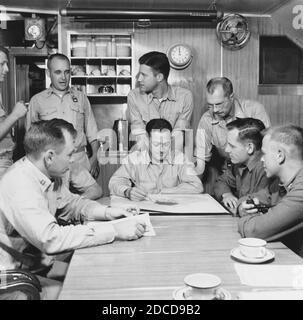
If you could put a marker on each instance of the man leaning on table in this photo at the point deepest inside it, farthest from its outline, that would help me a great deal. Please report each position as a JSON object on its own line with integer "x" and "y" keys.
{"x": 282, "y": 149}
{"x": 157, "y": 170}
{"x": 37, "y": 211}
{"x": 246, "y": 173}
{"x": 211, "y": 137}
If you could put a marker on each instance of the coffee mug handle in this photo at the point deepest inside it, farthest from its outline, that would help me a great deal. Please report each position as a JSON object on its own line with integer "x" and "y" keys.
{"x": 263, "y": 251}
{"x": 186, "y": 293}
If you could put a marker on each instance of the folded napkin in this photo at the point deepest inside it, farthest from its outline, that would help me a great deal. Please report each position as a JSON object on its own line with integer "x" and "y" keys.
{"x": 272, "y": 295}
{"x": 290, "y": 276}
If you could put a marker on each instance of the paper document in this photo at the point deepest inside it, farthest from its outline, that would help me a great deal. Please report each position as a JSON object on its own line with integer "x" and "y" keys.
{"x": 272, "y": 295}
{"x": 181, "y": 203}
{"x": 149, "y": 229}
{"x": 290, "y": 276}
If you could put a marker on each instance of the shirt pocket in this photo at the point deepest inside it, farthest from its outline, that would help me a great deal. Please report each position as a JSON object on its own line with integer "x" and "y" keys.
{"x": 78, "y": 116}
{"x": 48, "y": 113}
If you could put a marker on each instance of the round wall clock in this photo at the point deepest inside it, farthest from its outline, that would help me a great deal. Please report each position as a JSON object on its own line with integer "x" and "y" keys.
{"x": 179, "y": 56}
{"x": 35, "y": 31}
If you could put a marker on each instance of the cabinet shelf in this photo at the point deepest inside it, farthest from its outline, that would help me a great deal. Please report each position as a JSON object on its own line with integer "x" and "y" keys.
{"x": 101, "y": 77}
{"x": 106, "y": 95}
{"x": 99, "y": 60}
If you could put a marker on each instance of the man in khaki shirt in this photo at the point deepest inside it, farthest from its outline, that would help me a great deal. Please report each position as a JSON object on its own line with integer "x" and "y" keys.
{"x": 61, "y": 101}
{"x": 246, "y": 173}
{"x": 211, "y": 136}
{"x": 7, "y": 121}
{"x": 155, "y": 98}
{"x": 156, "y": 170}
{"x": 32, "y": 202}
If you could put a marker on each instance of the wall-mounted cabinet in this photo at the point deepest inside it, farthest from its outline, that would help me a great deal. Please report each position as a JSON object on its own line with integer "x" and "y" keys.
{"x": 101, "y": 64}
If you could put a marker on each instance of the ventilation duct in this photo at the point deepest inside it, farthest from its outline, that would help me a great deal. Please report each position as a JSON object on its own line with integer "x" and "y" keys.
{"x": 133, "y": 15}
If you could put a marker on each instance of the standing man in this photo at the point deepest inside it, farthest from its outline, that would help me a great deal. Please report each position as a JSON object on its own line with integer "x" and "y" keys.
{"x": 282, "y": 149}
{"x": 155, "y": 98}
{"x": 38, "y": 215}
{"x": 63, "y": 102}
{"x": 224, "y": 107}
{"x": 7, "y": 121}
{"x": 246, "y": 173}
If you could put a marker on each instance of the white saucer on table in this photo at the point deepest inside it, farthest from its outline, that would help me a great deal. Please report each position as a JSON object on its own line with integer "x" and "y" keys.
{"x": 236, "y": 253}
{"x": 179, "y": 294}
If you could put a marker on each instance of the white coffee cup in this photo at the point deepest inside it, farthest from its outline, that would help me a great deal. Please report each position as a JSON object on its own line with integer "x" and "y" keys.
{"x": 253, "y": 247}
{"x": 201, "y": 286}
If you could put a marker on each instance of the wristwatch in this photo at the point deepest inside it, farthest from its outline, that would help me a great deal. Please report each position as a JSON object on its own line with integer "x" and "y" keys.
{"x": 127, "y": 193}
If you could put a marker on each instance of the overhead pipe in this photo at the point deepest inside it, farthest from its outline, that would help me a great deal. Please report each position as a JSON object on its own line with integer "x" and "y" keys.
{"x": 197, "y": 15}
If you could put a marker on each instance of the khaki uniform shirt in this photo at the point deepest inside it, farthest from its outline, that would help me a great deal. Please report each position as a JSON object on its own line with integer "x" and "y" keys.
{"x": 176, "y": 107}
{"x": 286, "y": 213}
{"x": 29, "y": 209}
{"x": 73, "y": 107}
{"x": 6, "y": 144}
{"x": 241, "y": 180}
{"x": 138, "y": 169}
{"x": 212, "y": 132}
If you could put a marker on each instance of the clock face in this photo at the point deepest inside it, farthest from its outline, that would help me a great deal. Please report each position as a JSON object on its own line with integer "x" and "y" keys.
{"x": 180, "y": 56}
{"x": 35, "y": 31}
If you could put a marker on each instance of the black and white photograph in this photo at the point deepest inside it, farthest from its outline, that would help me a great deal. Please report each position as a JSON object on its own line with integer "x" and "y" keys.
{"x": 151, "y": 153}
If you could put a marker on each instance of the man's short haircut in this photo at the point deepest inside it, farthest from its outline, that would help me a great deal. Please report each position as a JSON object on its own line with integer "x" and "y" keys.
{"x": 158, "y": 61}
{"x": 289, "y": 135}
{"x": 250, "y": 130}
{"x": 46, "y": 134}
{"x": 226, "y": 84}
{"x": 56, "y": 56}
{"x": 4, "y": 50}
{"x": 158, "y": 124}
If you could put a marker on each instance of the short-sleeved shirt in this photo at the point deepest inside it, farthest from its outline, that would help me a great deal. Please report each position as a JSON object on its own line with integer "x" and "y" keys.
{"x": 177, "y": 174}
{"x": 6, "y": 144}
{"x": 176, "y": 107}
{"x": 73, "y": 107}
{"x": 212, "y": 132}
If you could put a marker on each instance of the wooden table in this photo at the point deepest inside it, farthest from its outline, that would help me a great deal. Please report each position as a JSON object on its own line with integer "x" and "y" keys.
{"x": 152, "y": 267}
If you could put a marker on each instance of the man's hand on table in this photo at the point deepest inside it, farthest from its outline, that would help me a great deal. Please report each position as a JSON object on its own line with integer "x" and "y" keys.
{"x": 129, "y": 229}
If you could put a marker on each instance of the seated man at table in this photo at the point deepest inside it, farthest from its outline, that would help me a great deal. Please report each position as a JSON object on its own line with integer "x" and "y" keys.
{"x": 33, "y": 204}
{"x": 157, "y": 170}
{"x": 282, "y": 149}
{"x": 246, "y": 173}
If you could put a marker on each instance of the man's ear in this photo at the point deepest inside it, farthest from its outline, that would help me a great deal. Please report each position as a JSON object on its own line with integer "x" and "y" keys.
{"x": 281, "y": 155}
{"x": 250, "y": 147}
{"x": 160, "y": 77}
{"x": 48, "y": 157}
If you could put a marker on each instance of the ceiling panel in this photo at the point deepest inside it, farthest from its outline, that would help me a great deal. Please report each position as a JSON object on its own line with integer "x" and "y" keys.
{"x": 240, "y": 6}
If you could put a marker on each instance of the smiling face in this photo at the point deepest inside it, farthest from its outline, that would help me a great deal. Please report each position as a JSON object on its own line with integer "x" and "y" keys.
{"x": 160, "y": 145}
{"x": 237, "y": 150}
{"x": 219, "y": 105}
{"x": 3, "y": 66}
{"x": 270, "y": 156}
{"x": 59, "y": 73}
{"x": 147, "y": 79}
{"x": 61, "y": 158}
